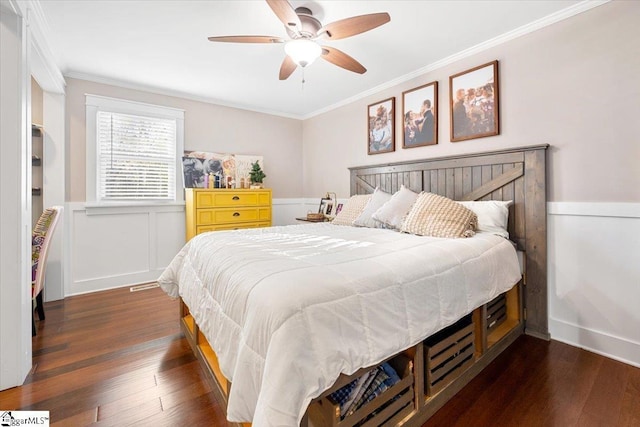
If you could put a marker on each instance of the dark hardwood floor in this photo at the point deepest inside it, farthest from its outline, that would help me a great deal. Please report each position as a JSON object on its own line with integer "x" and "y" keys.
{"x": 118, "y": 358}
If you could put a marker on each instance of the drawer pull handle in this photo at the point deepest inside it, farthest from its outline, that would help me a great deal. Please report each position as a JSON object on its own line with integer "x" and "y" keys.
{"x": 236, "y": 214}
{"x": 236, "y": 198}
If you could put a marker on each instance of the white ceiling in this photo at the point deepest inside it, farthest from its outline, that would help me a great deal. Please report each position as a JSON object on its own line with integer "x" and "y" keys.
{"x": 162, "y": 46}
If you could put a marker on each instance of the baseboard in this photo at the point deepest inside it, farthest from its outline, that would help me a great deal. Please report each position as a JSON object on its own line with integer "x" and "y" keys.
{"x": 597, "y": 342}
{"x": 98, "y": 284}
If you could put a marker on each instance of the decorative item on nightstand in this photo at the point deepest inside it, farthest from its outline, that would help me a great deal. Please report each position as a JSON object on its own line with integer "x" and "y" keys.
{"x": 327, "y": 205}
{"x": 315, "y": 217}
{"x": 256, "y": 175}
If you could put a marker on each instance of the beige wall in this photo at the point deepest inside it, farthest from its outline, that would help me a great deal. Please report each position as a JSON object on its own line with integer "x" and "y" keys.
{"x": 573, "y": 85}
{"x": 207, "y": 127}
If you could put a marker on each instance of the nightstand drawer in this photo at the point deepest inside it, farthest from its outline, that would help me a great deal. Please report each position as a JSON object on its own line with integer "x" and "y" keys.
{"x": 221, "y": 227}
{"x": 232, "y": 215}
{"x": 231, "y": 198}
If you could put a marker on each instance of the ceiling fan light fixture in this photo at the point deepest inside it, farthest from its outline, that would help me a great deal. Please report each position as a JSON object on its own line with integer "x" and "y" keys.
{"x": 303, "y": 51}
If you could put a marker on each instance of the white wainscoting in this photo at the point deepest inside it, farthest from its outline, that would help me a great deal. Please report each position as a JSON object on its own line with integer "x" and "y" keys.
{"x": 594, "y": 277}
{"x": 285, "y": 211}
{"x": 121, "y": 246}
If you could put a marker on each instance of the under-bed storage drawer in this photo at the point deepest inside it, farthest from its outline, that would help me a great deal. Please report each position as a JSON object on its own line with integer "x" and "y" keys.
{"x": 448, "y": 354}
{"x": 496, "y": 312}
{"x": 502, "y": 315}
{"x": 368, "y": 408}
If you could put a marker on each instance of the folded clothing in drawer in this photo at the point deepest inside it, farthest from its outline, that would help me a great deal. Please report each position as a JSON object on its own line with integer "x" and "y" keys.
{"x": 364, "y": 389}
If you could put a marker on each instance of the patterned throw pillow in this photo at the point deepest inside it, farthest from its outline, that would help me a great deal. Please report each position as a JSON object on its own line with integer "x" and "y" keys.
{"x": 437, "y": 216}
{"x": 351, "y": 209}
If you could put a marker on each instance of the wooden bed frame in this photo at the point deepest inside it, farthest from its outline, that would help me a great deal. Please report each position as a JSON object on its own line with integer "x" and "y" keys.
{"x": 462, "y": 350}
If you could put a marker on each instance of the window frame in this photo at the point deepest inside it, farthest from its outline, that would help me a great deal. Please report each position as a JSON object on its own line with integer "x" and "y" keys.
{"x": 96, "y": 103}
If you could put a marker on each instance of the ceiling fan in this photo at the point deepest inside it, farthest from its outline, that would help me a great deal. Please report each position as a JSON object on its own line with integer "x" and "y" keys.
{"x": 304, "y": 29}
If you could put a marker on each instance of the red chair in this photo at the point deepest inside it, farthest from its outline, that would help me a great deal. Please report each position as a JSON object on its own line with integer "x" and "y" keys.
{"x": 40, "y": 239}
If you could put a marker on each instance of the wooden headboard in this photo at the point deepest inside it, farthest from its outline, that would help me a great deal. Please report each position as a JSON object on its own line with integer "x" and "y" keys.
{"x": 517, "y": 174}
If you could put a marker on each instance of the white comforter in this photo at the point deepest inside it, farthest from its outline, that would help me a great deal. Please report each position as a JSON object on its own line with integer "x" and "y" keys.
{"x": 287, "y": 309}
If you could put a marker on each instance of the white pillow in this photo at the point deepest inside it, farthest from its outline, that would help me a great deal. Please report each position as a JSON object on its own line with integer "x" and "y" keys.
{"x": 396, "y": 209}
{"x": 378, "y": 199}
{"x": 493, "y": 215}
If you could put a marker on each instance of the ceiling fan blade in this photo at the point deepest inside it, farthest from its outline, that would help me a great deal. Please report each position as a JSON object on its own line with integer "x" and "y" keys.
{"x": 285, "y": 13}
{"x": 247, "y": 39}
{"x": 287, "y": 67}
{"x": 341, "y": 59}
{"x": 351, "y": 26}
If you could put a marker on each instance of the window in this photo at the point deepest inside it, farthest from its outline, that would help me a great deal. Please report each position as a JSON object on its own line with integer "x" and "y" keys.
{"x": 136, "y": 157}
{"x": 134, "y": 150}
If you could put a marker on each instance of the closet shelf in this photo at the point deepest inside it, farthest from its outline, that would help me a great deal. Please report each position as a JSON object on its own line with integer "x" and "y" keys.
{"x": 36, "y": 130}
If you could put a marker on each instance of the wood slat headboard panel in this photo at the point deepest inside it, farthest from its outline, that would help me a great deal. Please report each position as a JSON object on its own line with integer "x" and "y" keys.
{"x": 515, "y": 174}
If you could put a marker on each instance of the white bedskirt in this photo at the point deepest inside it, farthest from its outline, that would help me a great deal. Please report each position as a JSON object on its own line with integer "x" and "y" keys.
{"x": 288, "y": 309}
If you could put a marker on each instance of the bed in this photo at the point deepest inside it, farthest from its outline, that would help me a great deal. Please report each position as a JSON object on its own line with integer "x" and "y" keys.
{"x": 284, "y": 318}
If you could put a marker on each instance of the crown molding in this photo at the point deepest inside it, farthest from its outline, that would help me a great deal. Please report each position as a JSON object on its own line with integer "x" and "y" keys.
{"x": 43, "y": 64}
{"x": 173, "y": 93}
{"x": 496, "y": 41}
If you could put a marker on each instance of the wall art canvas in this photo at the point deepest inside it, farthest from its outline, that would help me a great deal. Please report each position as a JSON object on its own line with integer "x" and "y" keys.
{"x": 420, "y": 116}
{"x": 473, "y": 100}
{"x": 234, "y": 168}
{"x": 380, "y": 121}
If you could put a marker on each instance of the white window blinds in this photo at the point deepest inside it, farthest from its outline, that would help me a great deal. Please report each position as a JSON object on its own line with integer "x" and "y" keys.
{"x": 136, "y": 157}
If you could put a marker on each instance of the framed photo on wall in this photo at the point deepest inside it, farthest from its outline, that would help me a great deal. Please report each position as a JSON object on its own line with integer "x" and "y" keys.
{"x": 380, "y": 126}
{"x": 420, "y": 116}
{"x": 473, "y": 101}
